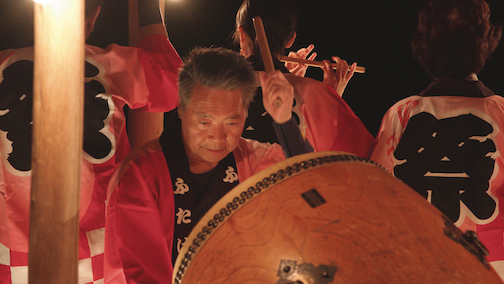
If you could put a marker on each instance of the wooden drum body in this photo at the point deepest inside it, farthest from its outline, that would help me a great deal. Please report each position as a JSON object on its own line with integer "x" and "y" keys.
{"x": 328, "y": 217}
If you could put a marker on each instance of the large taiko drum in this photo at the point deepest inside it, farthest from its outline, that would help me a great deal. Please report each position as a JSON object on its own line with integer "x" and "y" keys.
{"x": 328, "y": 217}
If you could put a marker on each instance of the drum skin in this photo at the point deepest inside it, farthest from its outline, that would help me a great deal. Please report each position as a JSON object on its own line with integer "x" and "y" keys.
{"x": 372, "y": 228}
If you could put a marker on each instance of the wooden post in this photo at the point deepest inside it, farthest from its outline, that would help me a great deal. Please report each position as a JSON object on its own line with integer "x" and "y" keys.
{"x": 143, "y": 126}
{"x": 57, "y": 141}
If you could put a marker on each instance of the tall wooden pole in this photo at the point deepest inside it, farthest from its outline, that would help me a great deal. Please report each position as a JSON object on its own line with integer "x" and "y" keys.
{"x": 143, "y": 126}
{"x": 57, "y": 141}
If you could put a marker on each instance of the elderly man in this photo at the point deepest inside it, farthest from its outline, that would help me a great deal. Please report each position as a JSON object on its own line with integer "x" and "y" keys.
{"x": 161, "y": 191}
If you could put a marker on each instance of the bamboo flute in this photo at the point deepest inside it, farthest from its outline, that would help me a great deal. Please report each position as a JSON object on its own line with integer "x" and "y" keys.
{"x": 358, "y": 69}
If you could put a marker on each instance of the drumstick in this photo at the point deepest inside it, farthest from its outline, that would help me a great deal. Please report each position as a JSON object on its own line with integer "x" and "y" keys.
{"x": 265, "y": 50}
{"x": 358, "y": 69}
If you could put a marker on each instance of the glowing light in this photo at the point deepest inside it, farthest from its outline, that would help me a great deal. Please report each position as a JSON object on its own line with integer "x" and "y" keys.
{"x": 43, "y": 1}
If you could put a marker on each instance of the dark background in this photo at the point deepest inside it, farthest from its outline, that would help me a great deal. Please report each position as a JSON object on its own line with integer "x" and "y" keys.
{"x": 374, "y": 33}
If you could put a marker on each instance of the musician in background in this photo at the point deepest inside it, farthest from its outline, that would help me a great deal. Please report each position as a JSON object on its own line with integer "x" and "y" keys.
{"x": 447, "y": 142}
{"x": 323, "y": 116}
{"x": 162, "y": 190}
{"x": 113, "y": 77}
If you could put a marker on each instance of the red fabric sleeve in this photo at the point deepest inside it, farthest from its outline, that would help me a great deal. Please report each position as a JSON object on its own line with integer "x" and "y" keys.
{"x": 140, "y": 221}
{"x": 144, "y": 77}
{"x": 160, "y": 62}
{"x": 252, "y": 156}
{"x": 331, "y": 123}
{"x": 353, "y": 136}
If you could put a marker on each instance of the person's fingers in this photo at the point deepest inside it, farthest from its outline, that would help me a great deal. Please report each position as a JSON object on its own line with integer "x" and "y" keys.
{"x": 294, "y": 54}
{"x": 299, "y": 70}
{"x": 271, "y": 83}
{"x": 338, "y": 60}
{"x": 342, "y": 68}
{"x": 307, "y": 50}
{"x": 302, "y": 53}
{"x": 312, "y": 56}
{"x": 351, "y": 71}
{"x": 328, "y": 73}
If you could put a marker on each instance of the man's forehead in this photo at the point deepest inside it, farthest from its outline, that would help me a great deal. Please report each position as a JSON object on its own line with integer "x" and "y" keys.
{"x": 205, "y": 114}
{"x": 210, "y": 101}
{"x": 200, "y": 90}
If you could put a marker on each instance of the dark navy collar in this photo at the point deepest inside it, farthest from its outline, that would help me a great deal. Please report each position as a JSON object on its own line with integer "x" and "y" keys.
{"x": 450, "y": 86}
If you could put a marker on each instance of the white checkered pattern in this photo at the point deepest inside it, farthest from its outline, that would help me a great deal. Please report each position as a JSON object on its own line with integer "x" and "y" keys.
{"x": 87, "y": 275}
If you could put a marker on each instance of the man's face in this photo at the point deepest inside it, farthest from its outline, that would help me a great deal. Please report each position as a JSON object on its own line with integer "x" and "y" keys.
{"x": 212, "y": 123}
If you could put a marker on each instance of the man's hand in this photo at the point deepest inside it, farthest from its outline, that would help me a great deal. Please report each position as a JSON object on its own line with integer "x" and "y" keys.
{"x": 299, "y": 69}
{"x": 275, "y": 86}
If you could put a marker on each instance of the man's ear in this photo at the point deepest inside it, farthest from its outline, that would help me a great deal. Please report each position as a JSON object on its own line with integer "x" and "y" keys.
{"x": 91, "y": 21}
{"x": 291, "y": 41}
{"x": 245, "y": 42}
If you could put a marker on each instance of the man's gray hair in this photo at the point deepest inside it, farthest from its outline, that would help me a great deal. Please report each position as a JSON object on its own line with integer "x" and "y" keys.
{"x": 216, "y": 67}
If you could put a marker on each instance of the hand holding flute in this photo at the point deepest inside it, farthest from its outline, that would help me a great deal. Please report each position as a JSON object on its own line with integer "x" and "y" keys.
{"x": 299, "y": 68}
{"x": 297, "y": 63}
{"x": 309, "y": 62}
{"x": 340, "y": 77}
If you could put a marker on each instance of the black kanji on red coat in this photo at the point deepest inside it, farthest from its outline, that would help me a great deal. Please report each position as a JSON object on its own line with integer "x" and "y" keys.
{"x": 450, "y": 157}
{"x": 16, "y": 101}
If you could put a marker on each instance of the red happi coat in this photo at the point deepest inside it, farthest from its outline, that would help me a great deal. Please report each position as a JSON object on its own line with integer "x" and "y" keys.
{"x": 143, "y": 77}
{"x": 141, "y": 211}
{"x": 326, "y": 119}
{"x": 448, "y": 148}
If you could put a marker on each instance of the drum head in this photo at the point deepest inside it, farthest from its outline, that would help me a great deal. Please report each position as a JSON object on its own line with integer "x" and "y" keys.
{"x": 328, "y": 217}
